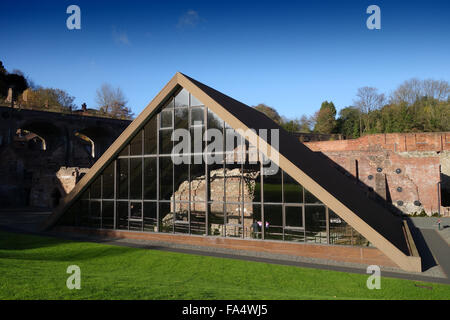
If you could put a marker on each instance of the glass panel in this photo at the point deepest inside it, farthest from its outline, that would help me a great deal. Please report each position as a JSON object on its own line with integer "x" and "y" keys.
{"x": 182, "y": 118}
{"x": 96, "y": 188}
{"x": 197, "y": 142}
{"x": 166, "y": 178}
{"x": 315, "y": 224}
{"x": 122, "y": 165}
{"x": 310, "y": 198}
{"x": 166, "y": 116}
{"x": 272, "y": 186}
{"x": 136, "y": 178}
{"x": 216, "y": 182}
{"x": 198, "y": 218}
{"x": 293, "y": 191}
{"x": 165, "y": 217}
{"x": 108, "y": 215}
{"x": 165, "y": 141}
{"x": 181, "y": 186}
{"x": 124, "y": 151}
{"x": 197, "y": 116}
{"x": 95, "y": 214}
{"x": 252, "y": 182}
{"x": 341, "y": 233}
{"x": 182, "y": 217}
{"x": 273, "y": 222}
{"x": 136, "y": 222}
{"x": 150, "y": 139}
{"x": 169, "y": 104}
{"x": 136, "y": 144}
{"x": 150, "y": 180}
{"x": 84, "y": 213}
{"x": 122, "y": 215}
{"x": 198, "y": 182}
{"x": 150, "y": 217}
{"x": 233, "y": 183}
{"x": 108, "y": 182}
{"x": 195, "y": 101}
{"x": 233, "y": 220}
{"x": 293, "y": 216}
{"x": 255, "y": 229}
{"x": 182, "y": 99}
{"x": 216, "y": 219}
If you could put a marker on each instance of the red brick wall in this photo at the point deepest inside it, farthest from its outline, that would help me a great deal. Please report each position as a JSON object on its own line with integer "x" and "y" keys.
{"x": 415, "y": 154}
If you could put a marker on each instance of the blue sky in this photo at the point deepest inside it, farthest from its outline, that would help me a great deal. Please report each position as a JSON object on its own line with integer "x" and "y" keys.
{"x": 289, "y": 55}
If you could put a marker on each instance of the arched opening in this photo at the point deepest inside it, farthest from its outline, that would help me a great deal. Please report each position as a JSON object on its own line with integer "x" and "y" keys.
{"x": 40, "y": 135}
{"x": 87, "y": 142}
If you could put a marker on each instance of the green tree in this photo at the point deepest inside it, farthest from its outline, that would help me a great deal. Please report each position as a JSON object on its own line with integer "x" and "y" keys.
{"x": 326, "y": 118}
{"x": 270, "y": 112}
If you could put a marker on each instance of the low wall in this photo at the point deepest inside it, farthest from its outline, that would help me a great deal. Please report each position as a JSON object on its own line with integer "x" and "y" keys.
{"x": 361, "y": 255}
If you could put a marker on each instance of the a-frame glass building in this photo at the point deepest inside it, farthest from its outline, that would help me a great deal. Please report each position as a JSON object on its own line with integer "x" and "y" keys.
{"x": 197, "y": 162}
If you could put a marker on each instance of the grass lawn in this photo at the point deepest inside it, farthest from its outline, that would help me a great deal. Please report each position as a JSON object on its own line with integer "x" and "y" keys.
{"x": 34, "y": 267}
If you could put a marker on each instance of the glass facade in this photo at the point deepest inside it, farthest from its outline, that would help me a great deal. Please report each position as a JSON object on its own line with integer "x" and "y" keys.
{"x": 213, "y": 185}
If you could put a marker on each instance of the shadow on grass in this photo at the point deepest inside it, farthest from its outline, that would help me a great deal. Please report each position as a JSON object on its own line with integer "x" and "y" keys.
{"x": 30, "y": 247}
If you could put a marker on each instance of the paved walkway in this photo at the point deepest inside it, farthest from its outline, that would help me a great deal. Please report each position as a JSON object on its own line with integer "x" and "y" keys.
{"x": 14, "y": 222}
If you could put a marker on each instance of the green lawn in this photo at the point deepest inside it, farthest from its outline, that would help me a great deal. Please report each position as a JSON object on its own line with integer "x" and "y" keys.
{"x": 34, "y": 267}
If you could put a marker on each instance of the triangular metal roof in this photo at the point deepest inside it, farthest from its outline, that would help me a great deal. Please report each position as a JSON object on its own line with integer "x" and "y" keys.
{"x": 310, "y": 169}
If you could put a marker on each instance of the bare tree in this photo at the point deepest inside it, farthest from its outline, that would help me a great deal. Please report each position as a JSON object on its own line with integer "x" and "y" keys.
{"x": 112, "y": 101}
{"x": 368, "y": 100}
{"x": 414, "y": 89}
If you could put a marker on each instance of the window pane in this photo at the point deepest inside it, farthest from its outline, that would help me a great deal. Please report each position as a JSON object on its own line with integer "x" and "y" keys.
{"x": 273, "y": 222}
{"x": 122, "y": 169}
{"x": 136, "y": 216}
{"x": 108, "y": 215}
{"x": 195, "y": 101}
{"x": 181, "y": 186}
{"x": 165, "y": 142}
{"x": 233, "y": 220}
{"x": 293, "y": 191}
{"x": 216, "y": 219}
{"x": 95, "y": 214}
{"x": 233, "y": 183}
{"x": 108, "y": 182}
{"x": 150, "y": 217}
{"x": 216, "y": 182}
{"x": 96, "y": 188}
{"x": 197, "y": 142}
{"x": 136, "y": 178}
{"x": 294, "y": 216}
{"x": 136, "y": 144}
{"x": 256, "y": 224}
{"x": 182, "y": 217}
{"x": 150, "y": 180}
{"x": 198, "y": 218}
{"x": 310, "y": 198}
{"x": 182, "y": 118}
{"x": 122, "y": 215}
{"x": 198, "y": 183}
{"x": 150, "y": 141}
{"x": 165, "y": 217}
{"x": 166, "y": 118}
{"x": 182, "y": 99}
{"x": 252, "y": 182}
{"x": 197, "y": 116}
{"x": 342, "y": 233}
{"x": 124, "y": 151}
{"x": 315, "y": 224}
{"x": 166, "y": 178}
{"x": 272, "y": 186}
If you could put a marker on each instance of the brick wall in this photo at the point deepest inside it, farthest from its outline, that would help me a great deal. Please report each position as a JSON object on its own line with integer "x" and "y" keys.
{"x": 402, "y": 168}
